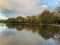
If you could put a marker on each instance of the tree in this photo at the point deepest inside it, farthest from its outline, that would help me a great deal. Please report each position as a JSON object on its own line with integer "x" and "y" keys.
{"x": 19, "y": 19}
{"x": 11, "y": 20}
{"x": 35, "y": 19}
{"x": 27, "y": 19}
{"x": 45, "y": 17}
{"x": 2, "y": 21}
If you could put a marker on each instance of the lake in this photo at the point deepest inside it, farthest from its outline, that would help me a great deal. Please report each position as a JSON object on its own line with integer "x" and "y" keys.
{"x": 19, "y": 34}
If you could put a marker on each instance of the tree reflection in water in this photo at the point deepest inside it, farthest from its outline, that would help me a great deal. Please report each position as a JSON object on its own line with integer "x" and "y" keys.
{"x": 45, "y": 31}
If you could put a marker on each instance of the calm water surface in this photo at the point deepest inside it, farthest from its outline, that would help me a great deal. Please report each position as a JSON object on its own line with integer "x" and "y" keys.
{"x": 11, "y": 34}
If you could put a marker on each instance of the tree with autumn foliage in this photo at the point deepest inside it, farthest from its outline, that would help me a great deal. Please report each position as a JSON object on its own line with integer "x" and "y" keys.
{"x": 19, "y": 19}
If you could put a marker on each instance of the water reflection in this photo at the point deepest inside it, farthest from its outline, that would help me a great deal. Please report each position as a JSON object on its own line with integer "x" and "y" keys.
{"x": 5, "y": 31}
{"x": 45, "y": 31}
{"x": 21, "y": 34}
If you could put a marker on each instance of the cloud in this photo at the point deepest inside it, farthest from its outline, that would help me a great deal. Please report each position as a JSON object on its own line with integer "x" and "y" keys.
{"x": 17, "y": 4}
{"x": 5, "y": 5}
{"x": 27, "y": 4}
{"x": 24, "y": 7}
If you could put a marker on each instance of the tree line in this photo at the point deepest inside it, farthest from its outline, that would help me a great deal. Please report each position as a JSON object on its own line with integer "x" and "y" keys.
{"x": 46, "y": 17}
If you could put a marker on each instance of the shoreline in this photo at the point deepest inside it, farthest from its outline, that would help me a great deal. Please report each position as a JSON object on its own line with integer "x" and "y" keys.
{"x": 33, "y": 24}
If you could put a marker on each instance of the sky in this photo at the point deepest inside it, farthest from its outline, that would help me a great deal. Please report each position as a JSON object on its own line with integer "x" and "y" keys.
{"x": 14, "y": 8}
